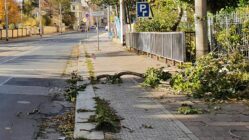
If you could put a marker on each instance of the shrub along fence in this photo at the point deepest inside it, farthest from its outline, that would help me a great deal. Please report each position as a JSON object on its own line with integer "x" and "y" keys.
{"x": 168, "y": 45}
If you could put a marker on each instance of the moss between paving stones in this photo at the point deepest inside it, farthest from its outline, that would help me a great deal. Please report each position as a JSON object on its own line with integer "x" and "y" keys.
{"x": 89, "y": 66}
{"x": 105, "y": 117}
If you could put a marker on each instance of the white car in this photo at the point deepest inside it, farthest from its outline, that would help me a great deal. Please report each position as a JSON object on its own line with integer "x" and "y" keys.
{"x": 106, "y": 28}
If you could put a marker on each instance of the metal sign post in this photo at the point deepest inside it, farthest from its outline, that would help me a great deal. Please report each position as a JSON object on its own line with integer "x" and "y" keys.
{"x": 98, "y": 14}
{"x": 98, "y": 31}
{"x": 87, "y": 24}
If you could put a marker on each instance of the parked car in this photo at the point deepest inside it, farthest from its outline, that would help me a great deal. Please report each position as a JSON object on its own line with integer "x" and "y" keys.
{"x": 93, "y": 27}
{"x": 106, "y": 28}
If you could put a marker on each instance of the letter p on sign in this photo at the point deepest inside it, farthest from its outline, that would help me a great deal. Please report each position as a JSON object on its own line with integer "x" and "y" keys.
{"x": 143, "y": 9}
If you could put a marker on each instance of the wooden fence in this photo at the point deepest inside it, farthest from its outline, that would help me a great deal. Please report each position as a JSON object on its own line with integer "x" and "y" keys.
{"x": 169, "y": 45}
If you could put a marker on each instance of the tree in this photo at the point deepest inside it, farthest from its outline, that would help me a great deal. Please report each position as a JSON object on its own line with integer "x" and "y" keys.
{"x": 104, "y": 2}
{"x": 13, "y": 9}
{"x": 215, "y": 5}
{"x": 68, "y": 17}
{"x": 28, "y": 6}
{"x": 167, "y": 16}
{"x": 1, "y": 11}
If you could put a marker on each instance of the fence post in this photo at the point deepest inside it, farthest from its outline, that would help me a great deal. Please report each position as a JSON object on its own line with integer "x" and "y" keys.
{"x": 162, "y": 45}
{"x": 183, "y": 47}
{"x": 171, "y": 52}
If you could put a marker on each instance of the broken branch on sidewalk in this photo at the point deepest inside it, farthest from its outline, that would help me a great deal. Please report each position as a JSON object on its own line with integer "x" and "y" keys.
{"x": 116, "y": 78}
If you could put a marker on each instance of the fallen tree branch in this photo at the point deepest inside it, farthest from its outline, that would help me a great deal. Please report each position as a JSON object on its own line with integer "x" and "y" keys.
{"x": 117, "y": 76}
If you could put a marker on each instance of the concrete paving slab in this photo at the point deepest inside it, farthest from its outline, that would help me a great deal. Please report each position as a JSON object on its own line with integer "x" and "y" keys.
{"x": 85, "y": 99}
{"x": 95, "y": 135}
{"x": 83, "y": 116}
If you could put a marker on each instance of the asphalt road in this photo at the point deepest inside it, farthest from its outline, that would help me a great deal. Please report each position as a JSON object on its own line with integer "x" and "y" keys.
{"x": 28, "y": 70}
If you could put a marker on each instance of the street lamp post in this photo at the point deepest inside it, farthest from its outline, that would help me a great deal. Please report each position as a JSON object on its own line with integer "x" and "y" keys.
{"x": 40, "y": 19}
{"x": 60, "y": 18}
{"x": 6, "y": 20}
{"x": 121, "y": 21}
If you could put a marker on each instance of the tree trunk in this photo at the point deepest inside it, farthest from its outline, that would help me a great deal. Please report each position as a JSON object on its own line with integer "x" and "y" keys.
{"x": 178, "y": 21}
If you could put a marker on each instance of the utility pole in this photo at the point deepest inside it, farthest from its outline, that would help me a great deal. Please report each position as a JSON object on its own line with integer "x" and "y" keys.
{"x": 40, "y": 19}
{"x": 60, "y": 18}
{"x": 108, "y": 18}
{"x": 201, "y": 27}
{"x": 6, "y": 20}
{"x": 21, "y": 11}
{"x": 121, "y": 21}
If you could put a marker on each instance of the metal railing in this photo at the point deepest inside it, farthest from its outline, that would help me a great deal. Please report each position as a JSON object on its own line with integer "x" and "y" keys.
{"x": 169, "y": 45}
{"x": 13, "y": 33}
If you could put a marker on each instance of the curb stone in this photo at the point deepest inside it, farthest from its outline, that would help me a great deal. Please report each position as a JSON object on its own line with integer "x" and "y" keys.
{"x": 85, "y": 101}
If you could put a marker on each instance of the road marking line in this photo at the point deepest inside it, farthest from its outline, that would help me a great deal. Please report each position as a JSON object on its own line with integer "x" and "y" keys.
{"x": 23, "y": 102}
{"x": 19, "y": 55}
{"x": 4, "y": 82}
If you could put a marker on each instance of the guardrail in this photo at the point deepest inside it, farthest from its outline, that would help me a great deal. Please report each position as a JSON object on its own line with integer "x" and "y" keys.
{"x": 13, "y": 33}
{"x": 169, "y": 45}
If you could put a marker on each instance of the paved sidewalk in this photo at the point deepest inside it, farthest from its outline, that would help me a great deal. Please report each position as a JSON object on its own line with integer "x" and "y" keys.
{"x": 144, "y": 118}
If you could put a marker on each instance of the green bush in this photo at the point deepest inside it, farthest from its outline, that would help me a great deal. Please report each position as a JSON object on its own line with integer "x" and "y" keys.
{"x": 153, "y": 77}
{"x": 229, "y": 38}
{"x": 216, "y": 77}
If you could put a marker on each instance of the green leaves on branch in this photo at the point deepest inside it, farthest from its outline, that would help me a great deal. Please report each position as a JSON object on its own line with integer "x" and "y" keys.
{"x": 154, "y": 76}
{"x": 222, "y": 77}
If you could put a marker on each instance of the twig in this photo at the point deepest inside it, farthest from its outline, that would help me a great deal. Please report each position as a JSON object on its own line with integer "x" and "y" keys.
{"x": 232, "y": 134}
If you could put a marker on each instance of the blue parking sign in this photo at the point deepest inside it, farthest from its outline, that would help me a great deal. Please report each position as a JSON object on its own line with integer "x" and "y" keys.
{"x": 143, "y": 9}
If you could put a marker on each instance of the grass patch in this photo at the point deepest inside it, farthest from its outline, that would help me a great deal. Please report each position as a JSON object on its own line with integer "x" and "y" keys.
{"x": 90, "y": 66}
{"x": 105, "y": 117}
{"x": 72, "y": 89}
{"x": 74, "y": 78}
{"x": 189, "y": 109}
